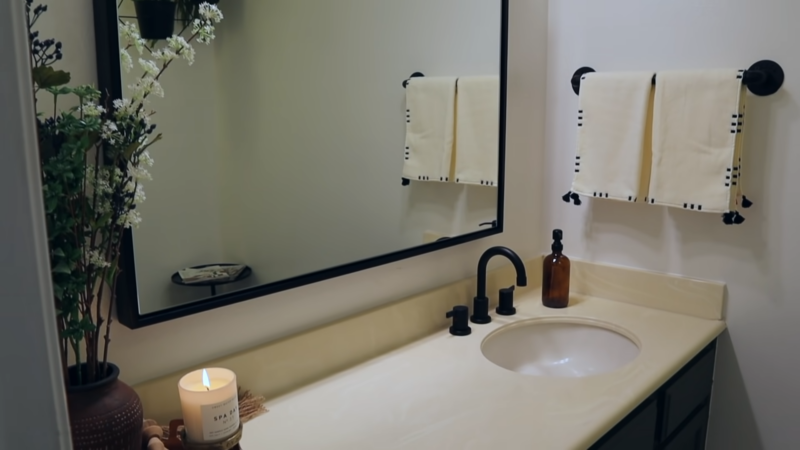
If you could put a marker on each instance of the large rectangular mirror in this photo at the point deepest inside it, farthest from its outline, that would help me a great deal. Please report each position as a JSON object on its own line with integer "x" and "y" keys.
{"x": 296, "y": 146}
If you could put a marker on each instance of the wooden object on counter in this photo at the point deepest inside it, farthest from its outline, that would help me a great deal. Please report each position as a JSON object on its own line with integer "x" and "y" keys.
{"x": 177, "y": 440}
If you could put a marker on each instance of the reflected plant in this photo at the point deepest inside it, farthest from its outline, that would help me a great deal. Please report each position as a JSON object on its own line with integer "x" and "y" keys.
{"x": 94, "y": 157}
{"x": 189, "y": 10}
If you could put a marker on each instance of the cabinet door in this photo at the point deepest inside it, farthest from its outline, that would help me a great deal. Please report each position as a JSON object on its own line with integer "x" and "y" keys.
{"x": 687, "y": 391}
{"x": 693, "y": 435}
{"x": 636, "y": 432}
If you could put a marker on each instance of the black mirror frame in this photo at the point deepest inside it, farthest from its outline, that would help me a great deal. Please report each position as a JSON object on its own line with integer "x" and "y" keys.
{"x": 110, "y": 84}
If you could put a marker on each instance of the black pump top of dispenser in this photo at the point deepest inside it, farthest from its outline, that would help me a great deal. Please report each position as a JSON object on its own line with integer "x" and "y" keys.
{"x": 557, "y": 245}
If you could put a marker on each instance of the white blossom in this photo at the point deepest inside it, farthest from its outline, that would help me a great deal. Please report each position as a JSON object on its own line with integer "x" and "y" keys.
{"x": 91, "y": 109}
{"x": 123, "y": 107}
{"x": 100, "y": 181}
{"x": 144, "y": 87}
{"x": 137, "y": 172}
{"x": 150, "y": 68}
{"x": 125, "y": 60}
{"x": 182, "y": 48}
{"x": 210, "y": 12}
{"x": 204, "y": 31}
{"x": 96, "y": 259}
{"x": 129, "y": 34}
{"x": 164, "y": 55}
{"x": 110, "y": 132}
{"x": 145, "y": 159}
{"x": 138, "y": 195}
{"x": 130, "y": 219}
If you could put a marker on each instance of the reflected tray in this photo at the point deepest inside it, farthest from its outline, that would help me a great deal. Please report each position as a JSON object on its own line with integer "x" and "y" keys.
{"x": 176, "y": 278}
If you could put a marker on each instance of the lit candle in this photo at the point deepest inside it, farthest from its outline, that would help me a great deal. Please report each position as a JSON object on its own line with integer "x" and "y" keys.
{"x": 210, "y": 405}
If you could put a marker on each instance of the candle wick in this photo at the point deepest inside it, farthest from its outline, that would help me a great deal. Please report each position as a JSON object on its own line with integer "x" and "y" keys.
{"x": 207, "y": 388}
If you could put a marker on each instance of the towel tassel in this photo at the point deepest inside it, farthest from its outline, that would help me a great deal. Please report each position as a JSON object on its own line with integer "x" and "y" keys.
{"x": 733, "y": 218}
{"x": 573, "y": 197}
{"x": 746, "y": 203}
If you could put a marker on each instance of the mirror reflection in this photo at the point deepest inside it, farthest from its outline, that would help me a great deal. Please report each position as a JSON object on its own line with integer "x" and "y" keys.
{"x": 293, "y": 143}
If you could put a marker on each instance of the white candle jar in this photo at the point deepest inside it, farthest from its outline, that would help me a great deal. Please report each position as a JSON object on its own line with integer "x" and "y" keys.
{"x": 211, "y": 406}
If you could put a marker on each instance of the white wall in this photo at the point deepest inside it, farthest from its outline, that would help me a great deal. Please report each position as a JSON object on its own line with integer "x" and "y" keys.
{"x": 160, "y": 349}
{"x": 756, "y": 393}
{"x": 31, "y": 387}
{"x": 313, "y": 113}
{"x": 181, "y": 224}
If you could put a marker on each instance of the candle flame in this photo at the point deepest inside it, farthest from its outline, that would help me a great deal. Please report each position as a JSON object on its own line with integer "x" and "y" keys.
{"x": 206, "y": 381}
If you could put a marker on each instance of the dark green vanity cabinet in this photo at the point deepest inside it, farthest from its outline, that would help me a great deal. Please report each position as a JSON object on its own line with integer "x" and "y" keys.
{"x": 675, "y": 417}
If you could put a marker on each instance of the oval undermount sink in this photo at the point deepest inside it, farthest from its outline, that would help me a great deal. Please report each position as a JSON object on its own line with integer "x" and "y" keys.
{"x": 560, "y": 347}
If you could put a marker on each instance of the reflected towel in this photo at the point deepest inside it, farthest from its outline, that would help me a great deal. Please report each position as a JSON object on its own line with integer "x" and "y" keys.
{"x": 613, "y": 147}
{"x": 430, "y": 121}
{"x": 698, "y": 126}
{"x": 477, "y": 130}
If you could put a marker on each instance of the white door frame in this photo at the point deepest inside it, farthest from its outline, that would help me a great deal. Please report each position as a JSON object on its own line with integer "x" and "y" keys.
{"x": 33, "y": 412}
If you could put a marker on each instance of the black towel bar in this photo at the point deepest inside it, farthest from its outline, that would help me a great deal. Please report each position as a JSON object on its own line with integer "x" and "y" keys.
{"x": 762, "y": 78}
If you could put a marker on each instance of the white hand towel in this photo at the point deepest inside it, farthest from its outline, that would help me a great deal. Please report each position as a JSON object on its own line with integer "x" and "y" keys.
{"x": 697, "y": 141}
{"x": 477, "y": 130}
{"x": 430, "y": 128}
{"x": 613, "y": 123}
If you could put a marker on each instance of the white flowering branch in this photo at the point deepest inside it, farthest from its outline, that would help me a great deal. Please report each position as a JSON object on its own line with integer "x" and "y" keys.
{"x": 94, "y": 160}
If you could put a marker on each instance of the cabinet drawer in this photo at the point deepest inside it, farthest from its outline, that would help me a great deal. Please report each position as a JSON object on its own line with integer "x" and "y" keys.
{"x": 687, "y": 391}
{"x": 693, "y": 435}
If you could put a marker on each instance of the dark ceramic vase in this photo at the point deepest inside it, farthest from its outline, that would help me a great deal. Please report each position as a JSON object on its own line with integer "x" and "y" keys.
{"x": 104, "y": 415}
{"x": 156, "y": 18}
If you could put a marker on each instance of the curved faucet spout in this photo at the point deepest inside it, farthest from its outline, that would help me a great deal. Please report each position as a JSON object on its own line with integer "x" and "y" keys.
{"x": 519, "y": 266}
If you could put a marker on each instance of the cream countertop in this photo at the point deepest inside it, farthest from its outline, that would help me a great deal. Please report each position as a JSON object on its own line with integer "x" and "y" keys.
{"x": 441, "y": 392}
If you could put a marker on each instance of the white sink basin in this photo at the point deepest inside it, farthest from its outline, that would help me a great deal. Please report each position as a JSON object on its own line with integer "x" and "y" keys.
{"x": 560, "y": 347}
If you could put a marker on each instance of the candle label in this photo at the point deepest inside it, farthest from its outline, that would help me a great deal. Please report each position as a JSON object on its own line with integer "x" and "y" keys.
{"x": 220, "y": 420}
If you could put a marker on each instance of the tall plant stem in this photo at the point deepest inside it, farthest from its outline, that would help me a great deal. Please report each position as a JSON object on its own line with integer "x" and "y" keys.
{"x": 76, "y": 348}
{"x": 111, "y": 300}
{"x": 64, "y": 348}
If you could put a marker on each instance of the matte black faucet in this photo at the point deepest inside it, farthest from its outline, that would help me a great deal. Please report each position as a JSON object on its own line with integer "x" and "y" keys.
{"x": 481, "y": 305}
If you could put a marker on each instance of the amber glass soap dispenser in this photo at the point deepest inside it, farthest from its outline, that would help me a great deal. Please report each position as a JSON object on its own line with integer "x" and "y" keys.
{"x": 555, "y": 275}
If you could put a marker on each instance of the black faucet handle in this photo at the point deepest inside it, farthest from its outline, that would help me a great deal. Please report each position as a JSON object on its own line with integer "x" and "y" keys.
{"x": 460, "y": 316}
{"x": 506, "y": 306}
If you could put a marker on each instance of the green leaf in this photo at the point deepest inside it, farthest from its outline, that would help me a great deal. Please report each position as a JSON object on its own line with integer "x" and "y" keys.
{"x": 128, "y": 152}
{"x": 62, "y": 267}
{"x": 111, "y": 275}
{"x": 63, "y": 90}
{"x": 146, "y": 146}
{"x": 47, "y": 77}
{"x": 50, "y": 205}
{"x": 86, "y": 324}
{"x": 59, "y": 252}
